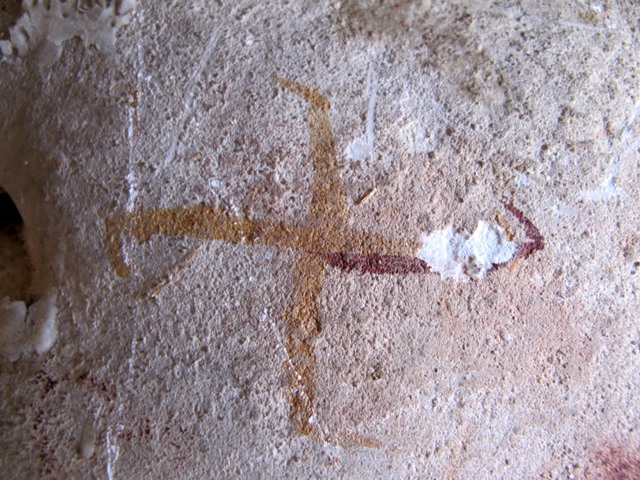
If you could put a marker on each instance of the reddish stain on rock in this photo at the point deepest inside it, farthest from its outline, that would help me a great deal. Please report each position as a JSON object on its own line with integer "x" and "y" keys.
{"x": 615, "y": 463}
{"x": 376, "y": 264}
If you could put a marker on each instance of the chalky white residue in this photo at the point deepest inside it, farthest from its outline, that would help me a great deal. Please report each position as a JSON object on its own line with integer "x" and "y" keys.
{"x": 362, "y": 148}
{"x": 112, "y": 454}
{"x": 87, "y": 445}
{"x": 45, "y": 26}
{"x": 461, "y": 255}
{"x": 41, "y": 317}
{"x": 24, "y": 330}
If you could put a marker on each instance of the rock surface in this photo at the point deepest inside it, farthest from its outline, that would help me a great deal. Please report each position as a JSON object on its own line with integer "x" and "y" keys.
{"x": 222, "y": 210}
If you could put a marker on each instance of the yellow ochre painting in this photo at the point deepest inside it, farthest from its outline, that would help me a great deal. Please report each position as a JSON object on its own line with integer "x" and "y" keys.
{"x": 324, "y": 240}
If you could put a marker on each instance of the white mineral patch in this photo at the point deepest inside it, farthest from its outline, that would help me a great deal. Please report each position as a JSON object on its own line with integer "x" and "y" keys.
{"x": 461, "y": 255}
{"x": 87, "y": 445}
{"x": 362, "y": 148}
{"x": 42, "y": 319}
{"x": 359, "y": 150}
{"x": 22, "y": 331}
{"x": 45, "y": 26}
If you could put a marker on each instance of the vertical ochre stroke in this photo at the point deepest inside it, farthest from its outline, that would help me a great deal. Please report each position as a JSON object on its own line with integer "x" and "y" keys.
{"x": 328, "y": 201}
{"x": 302, "y": 327}
{"x": 328, "y": 212}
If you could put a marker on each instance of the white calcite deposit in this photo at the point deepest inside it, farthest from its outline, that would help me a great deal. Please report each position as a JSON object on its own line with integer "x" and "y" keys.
{"x": 23, "y": 331}
{"x": 461, "y": 255}
{"x": 46, "y": 24}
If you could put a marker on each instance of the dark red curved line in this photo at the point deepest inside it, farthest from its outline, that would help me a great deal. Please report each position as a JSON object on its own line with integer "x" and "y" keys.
{"x": 535, "y": 239}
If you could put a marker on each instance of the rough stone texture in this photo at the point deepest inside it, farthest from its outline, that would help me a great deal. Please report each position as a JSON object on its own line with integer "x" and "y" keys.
{"x": 186, "y": 368}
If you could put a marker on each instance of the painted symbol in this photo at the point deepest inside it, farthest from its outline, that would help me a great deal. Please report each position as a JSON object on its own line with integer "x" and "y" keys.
{"x": 325, "y": 239}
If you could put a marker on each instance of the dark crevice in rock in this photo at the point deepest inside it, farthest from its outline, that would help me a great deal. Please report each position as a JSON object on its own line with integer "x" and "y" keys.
{"x": 15, "y": 263}
{"x": 10, "y": 11}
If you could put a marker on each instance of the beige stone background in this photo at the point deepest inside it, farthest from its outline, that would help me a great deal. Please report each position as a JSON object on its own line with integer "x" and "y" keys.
{"x": 531, "y": 372}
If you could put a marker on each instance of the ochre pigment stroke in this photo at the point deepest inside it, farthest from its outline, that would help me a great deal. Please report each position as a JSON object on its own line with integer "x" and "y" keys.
{"x": 302, "y": 327}
{"x": 328, "y": 202}
{"x": 208, "y": 223}
{"x": 323, "y": 239}
{"x": 328, "y": 213}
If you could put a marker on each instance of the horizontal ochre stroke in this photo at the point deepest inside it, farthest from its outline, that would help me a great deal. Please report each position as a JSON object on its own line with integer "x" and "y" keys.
{"x": 208, "y": 223}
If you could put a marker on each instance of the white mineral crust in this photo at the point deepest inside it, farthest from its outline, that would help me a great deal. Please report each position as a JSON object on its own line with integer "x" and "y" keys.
{"x": 461, "y": 255}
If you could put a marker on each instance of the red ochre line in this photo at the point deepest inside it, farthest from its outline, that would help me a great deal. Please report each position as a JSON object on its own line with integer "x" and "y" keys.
{"x": 376, "y": 263}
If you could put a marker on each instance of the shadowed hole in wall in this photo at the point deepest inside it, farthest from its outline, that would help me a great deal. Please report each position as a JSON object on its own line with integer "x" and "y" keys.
{"x": 10, "y": 10}
{"x": 15, "y": 264}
